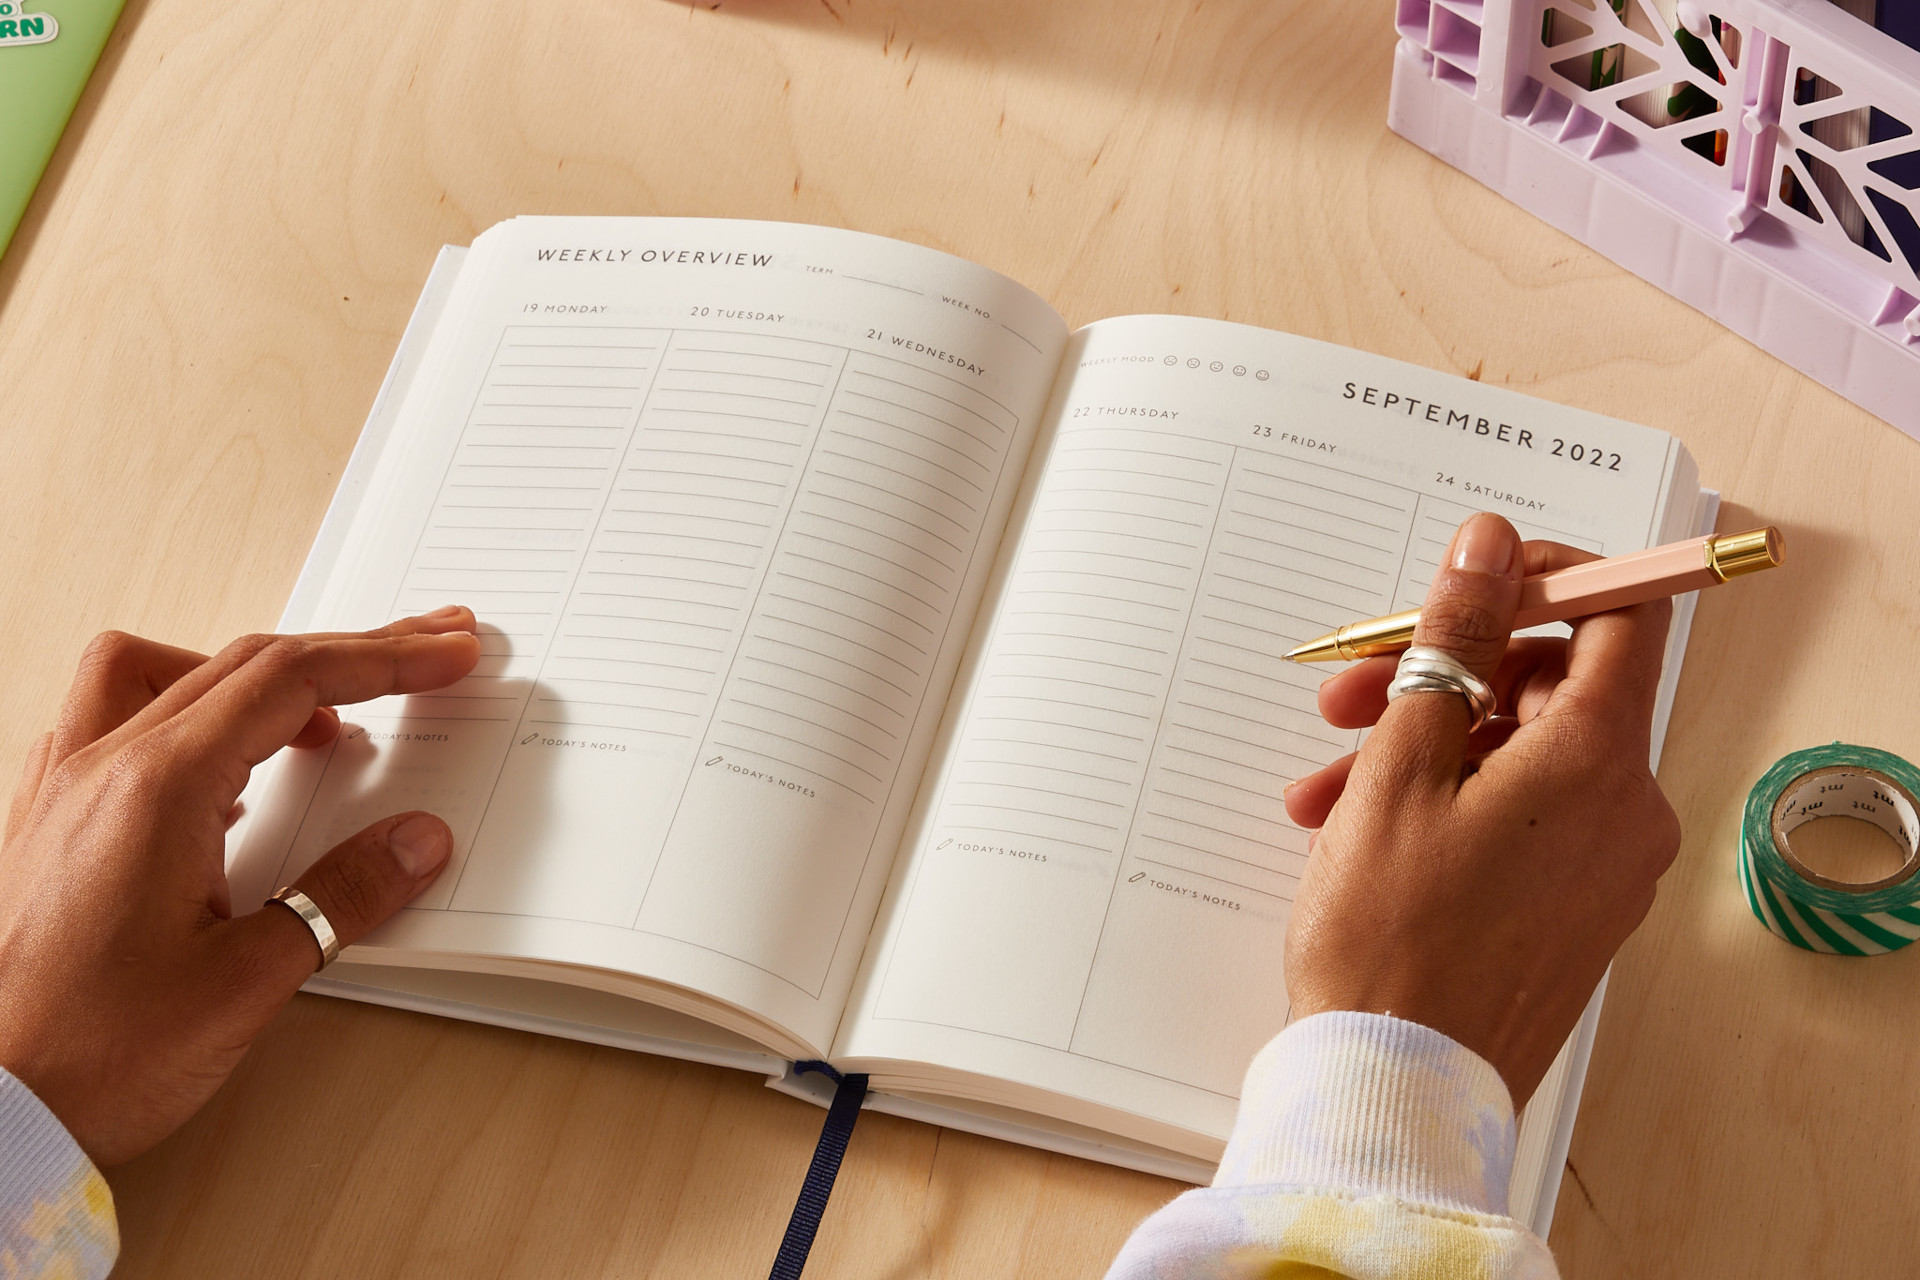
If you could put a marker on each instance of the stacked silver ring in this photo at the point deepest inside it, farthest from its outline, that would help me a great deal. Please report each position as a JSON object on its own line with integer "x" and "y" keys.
{"x": 1424, "y": 670}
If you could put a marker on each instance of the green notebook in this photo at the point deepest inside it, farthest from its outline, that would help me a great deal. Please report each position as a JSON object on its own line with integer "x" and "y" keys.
{"x": 47, "y": 51}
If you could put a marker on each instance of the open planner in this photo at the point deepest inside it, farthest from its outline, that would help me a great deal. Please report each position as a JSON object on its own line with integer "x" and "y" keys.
{"x": 876, "y": 671}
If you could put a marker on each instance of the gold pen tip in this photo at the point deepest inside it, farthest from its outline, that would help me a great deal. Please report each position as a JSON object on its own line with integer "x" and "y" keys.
{"x": 1324, "y": 649}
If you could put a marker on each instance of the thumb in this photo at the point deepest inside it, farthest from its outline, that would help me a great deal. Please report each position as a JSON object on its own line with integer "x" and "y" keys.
{"x": 357, "y": 885}
{"x": 1468, "y": 614}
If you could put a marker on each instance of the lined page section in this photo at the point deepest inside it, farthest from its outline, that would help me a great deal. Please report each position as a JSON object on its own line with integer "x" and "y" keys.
{"x": 856, "y": 601}
{"x": 1066, "y": 710}
{"x": 1300, "y": 550}
{"x": 1048, "y": 772}
{"x": 832, "y": 672}
{"x": 652, "y": 621}
{"x": 1213, "y": 859}
{"x": 526, "y": 482}
{"x": 671, "y": 568}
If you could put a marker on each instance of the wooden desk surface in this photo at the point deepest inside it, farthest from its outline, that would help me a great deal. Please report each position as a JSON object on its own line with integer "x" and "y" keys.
{"x": 205, "y": 294}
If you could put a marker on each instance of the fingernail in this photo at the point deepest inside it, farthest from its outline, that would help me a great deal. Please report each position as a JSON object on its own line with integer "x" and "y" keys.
{"x": 1484, "y": 545}
{"x": 419, "y": 845}
{"x": 446, "y": 611}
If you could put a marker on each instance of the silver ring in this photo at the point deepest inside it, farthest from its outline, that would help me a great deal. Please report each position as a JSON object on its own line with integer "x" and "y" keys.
{"x": 316, "y": 921}
{"x": 1424, "y": 670}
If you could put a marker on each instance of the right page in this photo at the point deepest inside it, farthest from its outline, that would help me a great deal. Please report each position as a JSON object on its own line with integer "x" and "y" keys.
{"x": 1089, "y": 921}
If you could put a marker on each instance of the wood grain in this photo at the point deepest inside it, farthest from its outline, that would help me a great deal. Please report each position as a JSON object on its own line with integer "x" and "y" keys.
{"x": 204, "y": 296}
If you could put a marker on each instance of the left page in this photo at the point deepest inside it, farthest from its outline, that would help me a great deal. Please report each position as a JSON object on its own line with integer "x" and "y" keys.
{"x": 724, "y": 496}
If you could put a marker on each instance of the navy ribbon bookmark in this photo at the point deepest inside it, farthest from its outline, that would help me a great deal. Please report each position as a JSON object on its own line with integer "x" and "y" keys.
{"x": 851, "y": 1090}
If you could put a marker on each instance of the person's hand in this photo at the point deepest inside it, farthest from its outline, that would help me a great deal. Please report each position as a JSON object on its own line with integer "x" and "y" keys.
{"x": 128, "y": 992}
{"x": 1481, "y": 887}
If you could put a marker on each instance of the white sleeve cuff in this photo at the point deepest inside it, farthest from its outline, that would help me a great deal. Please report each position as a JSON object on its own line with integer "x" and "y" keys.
{"x": 56, "y": 1213}
{"x": 1368, "y": 1104}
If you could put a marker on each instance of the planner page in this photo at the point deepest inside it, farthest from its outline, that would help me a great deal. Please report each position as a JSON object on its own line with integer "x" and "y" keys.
{"x": 1101, "y": 868}
{"x": 724, "y": 497}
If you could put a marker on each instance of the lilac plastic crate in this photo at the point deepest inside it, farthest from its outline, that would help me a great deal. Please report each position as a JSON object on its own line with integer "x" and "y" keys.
{"x": 1783, "y": 203}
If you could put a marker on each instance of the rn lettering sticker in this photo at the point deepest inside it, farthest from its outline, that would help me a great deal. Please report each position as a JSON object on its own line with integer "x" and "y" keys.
{"x": 17, "y": 26}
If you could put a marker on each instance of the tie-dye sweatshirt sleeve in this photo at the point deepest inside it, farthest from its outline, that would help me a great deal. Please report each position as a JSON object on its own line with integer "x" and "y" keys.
{"x": 1366, "y": 1147}
{"x": 56, "y": 1214}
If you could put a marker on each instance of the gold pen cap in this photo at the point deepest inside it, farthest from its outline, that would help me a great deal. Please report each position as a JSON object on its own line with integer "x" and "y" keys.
{"x": 1729, "y": 555}
{"x": 1360, "y": 639}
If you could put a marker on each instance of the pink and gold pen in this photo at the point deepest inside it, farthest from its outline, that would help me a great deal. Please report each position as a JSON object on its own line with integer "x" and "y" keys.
{"x": 1583, "y": 589}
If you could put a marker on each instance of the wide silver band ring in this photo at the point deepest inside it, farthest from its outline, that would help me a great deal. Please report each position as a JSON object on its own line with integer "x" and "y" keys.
{"x": 316, "y": 920}
{"x": 1424, "y": 670}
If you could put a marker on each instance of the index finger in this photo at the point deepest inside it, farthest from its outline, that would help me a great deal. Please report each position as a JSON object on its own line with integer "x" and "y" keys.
{"x": 195, "y": 684}
{"x": 1355, "y": 697}
{"x": 261, "y": 706}
{"x": 119, "y": 676}
{"x": 1421, "y": 741}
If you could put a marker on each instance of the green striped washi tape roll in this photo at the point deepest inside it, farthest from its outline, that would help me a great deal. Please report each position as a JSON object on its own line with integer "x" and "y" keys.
{"x": 1806, "y": 908}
